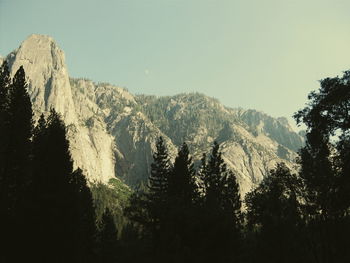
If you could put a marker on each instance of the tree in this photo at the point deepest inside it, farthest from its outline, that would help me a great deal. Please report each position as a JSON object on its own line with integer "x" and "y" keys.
{"x": 325, "y": 167}
{"x": 274, "y": 216}
{"x": 182, "y": 217}
{"x": 182, "y": 188}
{"x": 222, "y": 208}
{"x": 15, "y": 135}
{"x": 158, "y": 185}
{"x": 64, "y": 211}
{"x": 5, "y": 82}
{"x": 148, "y": 209}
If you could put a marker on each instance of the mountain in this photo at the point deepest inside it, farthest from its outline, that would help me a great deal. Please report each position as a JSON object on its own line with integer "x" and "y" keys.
{"x": 49, "y": 86}
{"x": 113, "y": 132}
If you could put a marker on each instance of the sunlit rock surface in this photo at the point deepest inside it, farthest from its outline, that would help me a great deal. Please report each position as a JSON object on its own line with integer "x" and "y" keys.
{"x": 113, "y": 132}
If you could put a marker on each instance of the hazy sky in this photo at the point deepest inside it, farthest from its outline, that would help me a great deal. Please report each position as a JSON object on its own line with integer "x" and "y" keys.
{"x": 262, "y": 54}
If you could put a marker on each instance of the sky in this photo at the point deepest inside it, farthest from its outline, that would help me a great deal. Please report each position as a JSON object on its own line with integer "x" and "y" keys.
{"x": 263, "y": 54}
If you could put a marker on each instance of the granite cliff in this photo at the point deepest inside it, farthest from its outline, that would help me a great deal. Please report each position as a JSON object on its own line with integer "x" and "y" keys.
{"x": 113, "y": 132}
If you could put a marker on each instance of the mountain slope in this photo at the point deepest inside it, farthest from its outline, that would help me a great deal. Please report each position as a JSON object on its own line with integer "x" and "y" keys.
{"x": 49, "y": 86}
{"x": 113, "y": 132}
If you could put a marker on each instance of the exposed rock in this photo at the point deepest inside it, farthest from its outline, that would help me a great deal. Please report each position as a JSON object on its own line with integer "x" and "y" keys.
{"x": 49, "y": 87}
{"x": 44, "y": 64}
{"x": 113, "y": 132}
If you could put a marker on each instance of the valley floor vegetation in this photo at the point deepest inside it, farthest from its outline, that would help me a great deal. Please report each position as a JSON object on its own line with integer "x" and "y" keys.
{"x": 50, "y": 213}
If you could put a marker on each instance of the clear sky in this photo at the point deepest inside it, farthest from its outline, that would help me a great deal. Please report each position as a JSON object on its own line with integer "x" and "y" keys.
{"x": 262, "y": 54}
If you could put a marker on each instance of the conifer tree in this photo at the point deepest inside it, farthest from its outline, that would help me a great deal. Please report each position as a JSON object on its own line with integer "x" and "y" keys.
{"x": 222, "y": 208}
{"x": 220, "y": 183}
{"x": 182, "y": 216}
{"x": 17, "y": 149}
{"x": 5, "y": 82}
{"x": 158, "y": 185}
{"x": 182, "y": 187}
{"x": 65, "y": 213}
{"x": 149, "y": 209}
{"x": 15, "y": 134}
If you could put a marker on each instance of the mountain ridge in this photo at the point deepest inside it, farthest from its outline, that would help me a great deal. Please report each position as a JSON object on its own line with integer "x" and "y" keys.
{"x": 113, "y": 132}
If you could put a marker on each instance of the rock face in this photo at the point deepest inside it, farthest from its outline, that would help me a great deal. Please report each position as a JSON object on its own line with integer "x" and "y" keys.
{"x": 49, "y": 87}
{"x": 48, "y": 78}
{"x": 113, "y": 132}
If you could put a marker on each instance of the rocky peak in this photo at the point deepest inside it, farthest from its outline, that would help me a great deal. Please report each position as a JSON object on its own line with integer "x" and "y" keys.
{"x": 49, "y": 87}
{"x": 44, "y": 64}
{"x": 113, "y": 132}
{"x": 277, "y": 129}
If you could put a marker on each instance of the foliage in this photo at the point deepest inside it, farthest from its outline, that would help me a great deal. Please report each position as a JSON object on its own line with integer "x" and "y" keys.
{"x": 274, "y": 215}
{"x": 16, "y": 126}
{"x": 114, "y": 197}
{"x": 325, "y": 167}
{"x": 221, "y": 207}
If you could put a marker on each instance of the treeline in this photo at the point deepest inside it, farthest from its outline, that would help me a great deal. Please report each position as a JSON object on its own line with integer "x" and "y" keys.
{"x": 187, "y": 216}
{"x": 47, "y": 213}
{"x": 197, "y": 216}
{"x": 183, "y": 214}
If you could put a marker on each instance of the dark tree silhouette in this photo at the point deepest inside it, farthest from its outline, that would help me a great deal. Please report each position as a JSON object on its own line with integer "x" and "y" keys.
{"x": 149, "y": 208}
{"x": 182, "y": 218}
{"x": 325, "y": 168}
{"x": 182, "y": 188}
{"x": 64, "y": 211}
{"x": 158, "y": 185}
{"x": 222, "y": 209}
{"x": 274, "y": 215}
{"x": 15, "y": 133}
{"x": 5, "y": 82}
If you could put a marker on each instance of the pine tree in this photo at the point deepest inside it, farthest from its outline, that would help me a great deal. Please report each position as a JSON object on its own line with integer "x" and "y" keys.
{"x": 16, "y": 131}
{"x": 5, "y": 82}
{"x": 222, "y": 208}
{"x": 149, "y": 209}
{"x": 158, "y": 185}
{"x": 182, "y": 187}
{"x": 220, "y": 183}
{"x": 182, "y": 217}
{"x": 65, "y": 216}
{"x": 17, "y": 148}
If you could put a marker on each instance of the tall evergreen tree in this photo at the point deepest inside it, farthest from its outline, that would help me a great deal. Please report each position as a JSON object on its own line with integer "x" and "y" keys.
{"x": 149, "y": 209}
{"x": 15, "y": 142}
{"x": 222, "y": 208}
{"x": 17, "y": 149}
{"x": 64, "y": 207}
{"x": 158, "y": 185}
{"x": 182, "y": 188}
{"x": 5, "y": 82}
{"x": 182, "y": 214}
